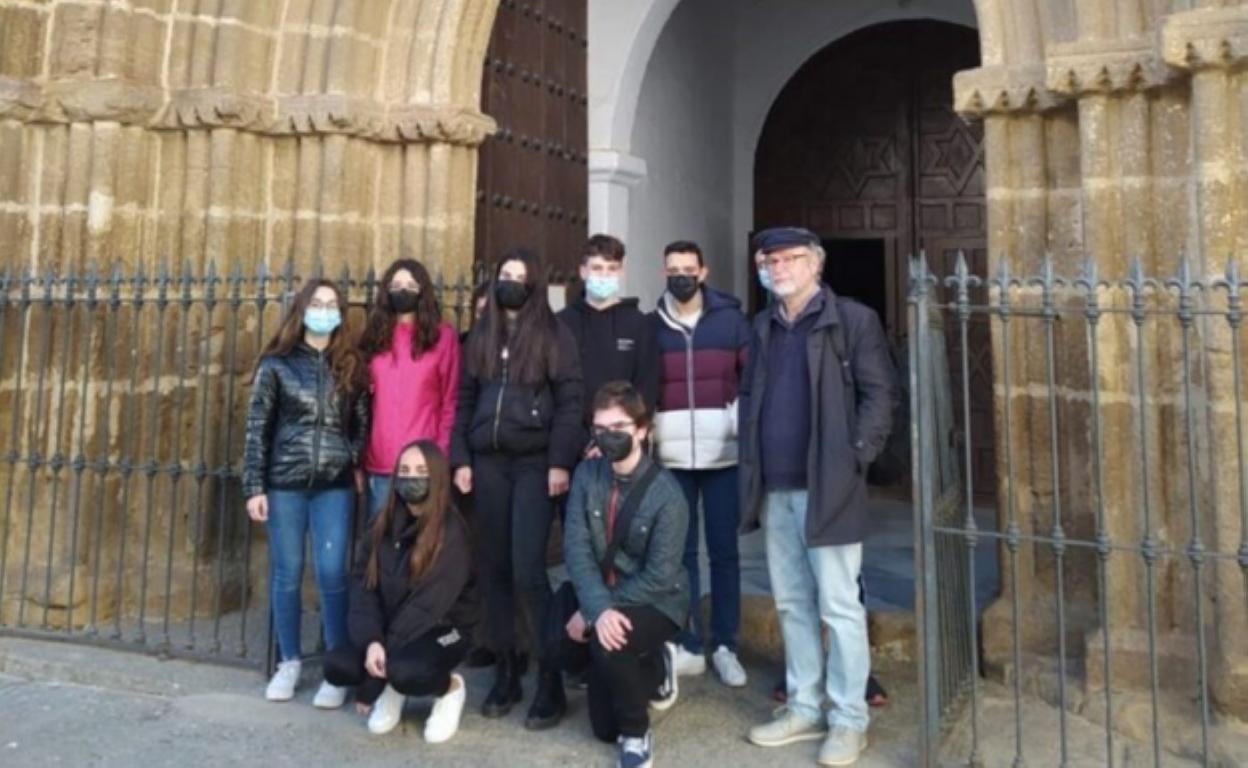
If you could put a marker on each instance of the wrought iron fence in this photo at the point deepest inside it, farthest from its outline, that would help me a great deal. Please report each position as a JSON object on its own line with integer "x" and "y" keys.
{"x": 1122, "y": 512}
{"x": 125, "y": 394}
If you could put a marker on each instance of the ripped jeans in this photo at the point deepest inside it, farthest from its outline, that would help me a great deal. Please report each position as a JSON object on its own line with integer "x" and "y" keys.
{"x": 327, "y": 514}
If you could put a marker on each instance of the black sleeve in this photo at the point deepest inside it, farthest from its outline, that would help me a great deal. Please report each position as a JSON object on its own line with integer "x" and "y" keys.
{"x": 875, "y": 387}
{"x": 361, "y": 423}
{"x": 261, "y": 420}
{"x": 431, "y": 598}
{"x": 465, "y": 407}
{"x": 567, "y": 430}
{"x": 366, "y": 622}
{"x": 646, "y": 375}
{"x": 747, "y": 462}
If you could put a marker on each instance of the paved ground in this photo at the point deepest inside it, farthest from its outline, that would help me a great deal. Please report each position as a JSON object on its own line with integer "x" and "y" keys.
{"x": 63, "y": 705}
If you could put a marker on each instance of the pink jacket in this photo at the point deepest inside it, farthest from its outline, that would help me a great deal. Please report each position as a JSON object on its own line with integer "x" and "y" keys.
{"x": 412, "y": 399}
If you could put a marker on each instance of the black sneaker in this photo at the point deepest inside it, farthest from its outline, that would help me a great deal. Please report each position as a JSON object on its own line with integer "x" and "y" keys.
{"x": 636, "y": 751}
{"x": 665, "y": 694}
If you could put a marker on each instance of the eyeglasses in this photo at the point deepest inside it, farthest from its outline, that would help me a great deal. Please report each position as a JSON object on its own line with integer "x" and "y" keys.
{"x": 783, "y": 261}
{"x": 318, "y": 304}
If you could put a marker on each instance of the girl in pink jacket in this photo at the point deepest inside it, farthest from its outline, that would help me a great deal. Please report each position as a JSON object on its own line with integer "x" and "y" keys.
{"x": 413, "y": 369}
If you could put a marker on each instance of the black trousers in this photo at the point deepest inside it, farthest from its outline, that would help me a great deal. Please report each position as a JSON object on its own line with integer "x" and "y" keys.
{"x": 622, "y": 683}
{"x": 513, "y": 516}
{"x": 419, "y": 668}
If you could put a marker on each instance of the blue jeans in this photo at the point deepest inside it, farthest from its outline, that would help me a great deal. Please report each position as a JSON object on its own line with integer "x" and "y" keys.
{"x": 718, "y": 489}
{"x": 378, "y": 491}
{"x": 327, "y": 514}
{"x": 814, "y": 586}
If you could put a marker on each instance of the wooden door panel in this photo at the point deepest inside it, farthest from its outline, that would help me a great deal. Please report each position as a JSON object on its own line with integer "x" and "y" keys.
{"x": 533, "y": 178}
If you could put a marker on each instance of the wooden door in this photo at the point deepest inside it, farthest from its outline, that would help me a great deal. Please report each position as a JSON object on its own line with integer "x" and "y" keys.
{"x": 863, "y": 145}
{"x": 533, "y": 178}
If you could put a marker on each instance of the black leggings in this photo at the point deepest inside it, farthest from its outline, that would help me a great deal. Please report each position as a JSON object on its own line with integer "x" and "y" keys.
{"x": 419, "y": 668}
{"x": 622, "y": 683}
{"x": 513, "y": 513}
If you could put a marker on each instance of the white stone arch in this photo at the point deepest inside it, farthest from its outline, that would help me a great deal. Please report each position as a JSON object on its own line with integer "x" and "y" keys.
{"x": 771, "y": 41}
{"x": 753, "y": 104}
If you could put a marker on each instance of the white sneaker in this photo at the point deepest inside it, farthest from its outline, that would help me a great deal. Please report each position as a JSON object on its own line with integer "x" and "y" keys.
{"x": 387, "y": 712}
{"x": 329, "y": 696}
{"x": 728, "y": 667}
{"x": 788, "y": 727}
{"x": 282, "y": 686}
{"x": 689, "y": 663}
{"x": 842, "y": 746}
{"x": 443, "y": 719}
{"x": 665, "y": 696}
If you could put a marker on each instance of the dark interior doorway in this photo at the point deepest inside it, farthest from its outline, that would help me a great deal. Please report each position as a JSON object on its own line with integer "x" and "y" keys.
{"x": 856, "y": 269}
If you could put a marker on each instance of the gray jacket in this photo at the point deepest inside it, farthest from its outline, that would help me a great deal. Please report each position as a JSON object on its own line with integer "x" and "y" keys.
{"x": 647, "y": 562}
{"x": 854, "y": 390}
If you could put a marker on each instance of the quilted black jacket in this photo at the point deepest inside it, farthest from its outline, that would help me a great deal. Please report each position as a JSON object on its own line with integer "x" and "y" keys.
{"x": 300, "y": 433}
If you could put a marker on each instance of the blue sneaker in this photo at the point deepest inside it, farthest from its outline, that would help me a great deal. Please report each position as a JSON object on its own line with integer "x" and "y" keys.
{"x": 636, "y": 751}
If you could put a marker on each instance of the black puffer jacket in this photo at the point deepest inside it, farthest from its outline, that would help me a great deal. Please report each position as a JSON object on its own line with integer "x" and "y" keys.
{"x": 502, "y": 415}
{"x": 399, "y": 610}
{"x": 300, "y": 433}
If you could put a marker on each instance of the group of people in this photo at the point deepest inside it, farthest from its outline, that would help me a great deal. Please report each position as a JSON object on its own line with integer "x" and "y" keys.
{"x": 638, "y": 431}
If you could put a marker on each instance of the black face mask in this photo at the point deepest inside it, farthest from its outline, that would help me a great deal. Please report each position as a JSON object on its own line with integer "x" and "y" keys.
{"x": 615, "y": 445}
{"x": 683, "y": 287}
{"x": 511, "y": 294}
{"x": 412, "y": 490}
{"x": 402, "y": 302}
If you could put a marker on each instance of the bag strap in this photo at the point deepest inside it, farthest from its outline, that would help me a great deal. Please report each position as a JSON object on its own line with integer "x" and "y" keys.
{"x": 625, "y": 518}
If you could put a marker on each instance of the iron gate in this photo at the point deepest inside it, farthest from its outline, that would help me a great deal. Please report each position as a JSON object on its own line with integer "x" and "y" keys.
{"x": 1122, "y": 509}
{"x": 124, "y": 398}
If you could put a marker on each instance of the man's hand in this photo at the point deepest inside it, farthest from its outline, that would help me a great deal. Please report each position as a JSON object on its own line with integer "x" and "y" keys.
{"x": 612, "y": 628}
{"x": 557, "y": 481}
{"x": 375, "y": 660}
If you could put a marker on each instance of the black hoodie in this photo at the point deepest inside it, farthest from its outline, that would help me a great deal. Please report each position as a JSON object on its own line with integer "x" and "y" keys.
{"x": 398, "y": 611}
{"x": 615, "y": 343}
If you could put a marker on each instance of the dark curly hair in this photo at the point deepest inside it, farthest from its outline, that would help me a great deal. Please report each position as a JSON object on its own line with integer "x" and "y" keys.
{"x": 379, "y": 327}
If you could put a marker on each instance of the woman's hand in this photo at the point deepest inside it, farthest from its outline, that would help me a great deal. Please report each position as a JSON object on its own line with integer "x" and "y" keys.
{"x": 258, "y": 507}
{"x": 612, "y": 628}
{"x": 463, "y": 480}
{"x": 375, "y": 660}
{"x": 576, "y": 628}
{"x": 557, "y": 480}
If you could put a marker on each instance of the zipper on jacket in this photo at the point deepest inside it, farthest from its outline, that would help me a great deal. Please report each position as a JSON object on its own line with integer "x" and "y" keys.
{"x": 693, "y": 419}
{"x": 320, "y": 417}
{"x": 498, "y": 405}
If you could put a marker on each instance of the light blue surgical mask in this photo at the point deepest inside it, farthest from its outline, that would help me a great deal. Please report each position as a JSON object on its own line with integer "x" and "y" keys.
{"x": 764, "y": 278}
{"x": 602, "y": 287}
{"x": 322, "y": 322}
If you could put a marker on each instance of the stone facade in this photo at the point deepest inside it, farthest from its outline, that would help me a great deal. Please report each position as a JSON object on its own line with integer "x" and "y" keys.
{"x": 186, "y": 133}
{"x": 1115, "y": 129}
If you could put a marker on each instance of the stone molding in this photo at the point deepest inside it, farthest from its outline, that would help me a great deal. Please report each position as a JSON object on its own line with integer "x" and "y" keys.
{"x": 1000, "y": 90}
{"x": 77, "y": 101}
{"x": 609, "y": 166}
{"x": 1208, "y": 38}
{"x": 1134, "y": 64}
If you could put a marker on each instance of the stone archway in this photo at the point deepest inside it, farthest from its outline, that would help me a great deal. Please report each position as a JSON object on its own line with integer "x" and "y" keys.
{"x": 211, "y": 139}
{"x": 143, "y": 132}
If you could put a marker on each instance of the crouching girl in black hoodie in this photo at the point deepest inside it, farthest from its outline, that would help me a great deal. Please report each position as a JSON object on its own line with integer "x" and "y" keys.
{"x": 412, "y": 603}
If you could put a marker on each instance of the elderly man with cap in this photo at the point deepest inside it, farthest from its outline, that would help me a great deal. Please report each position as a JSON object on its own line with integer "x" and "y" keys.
{"x": 816, "y": 404}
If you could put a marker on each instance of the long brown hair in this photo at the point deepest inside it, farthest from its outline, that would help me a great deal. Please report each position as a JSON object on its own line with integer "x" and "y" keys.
{"x": 379, "y": 328}
{"x": 431, "y": 514}
{"x": 533, "y": 346}
{"x": 345, "y": 361}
